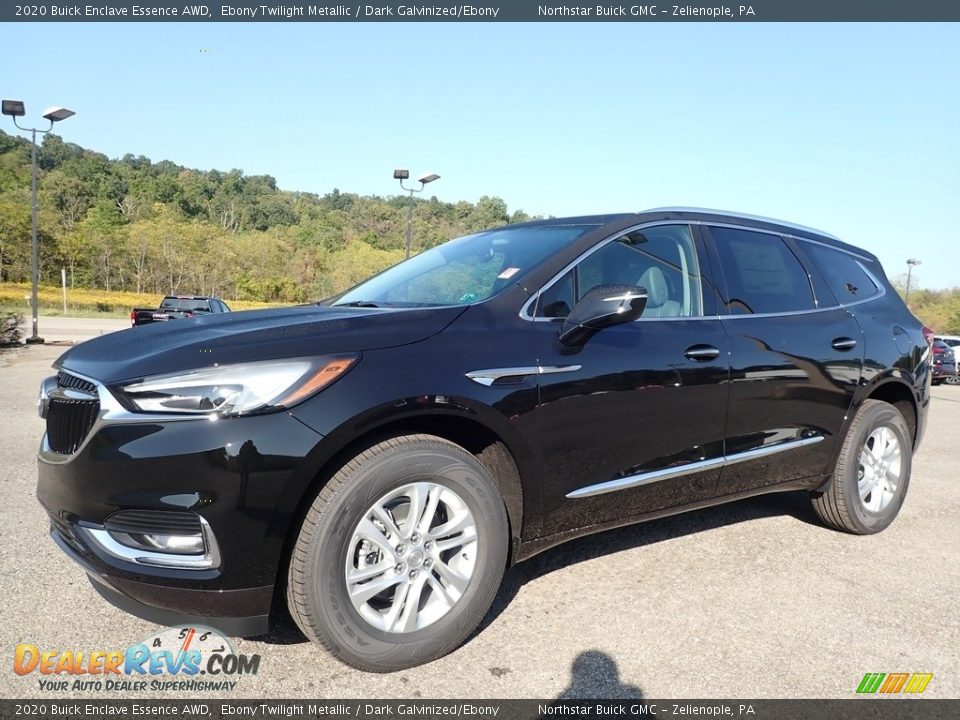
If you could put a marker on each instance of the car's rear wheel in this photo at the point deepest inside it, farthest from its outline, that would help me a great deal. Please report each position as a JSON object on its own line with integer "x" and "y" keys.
{"x": 400, "y": 555}
{"x": 872, "y": 474}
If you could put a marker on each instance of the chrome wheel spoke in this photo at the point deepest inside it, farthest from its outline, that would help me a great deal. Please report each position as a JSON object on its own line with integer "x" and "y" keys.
{"x": 366, "y": 530}
{"x": 367, "y": 572}
{"x": 453, "y": 579}
{"x": 360, "y": 594}
{"x": 418, "y": 494}
{"x": 396, "y": 606}
{"x": 381, "y": 514}
{"x": 407, "y": 621}
{"x": 458, "y": 541}
{"x": 460, "y": 523}
{"x": 430, "y": 510}
{"x": 438, "y": 587}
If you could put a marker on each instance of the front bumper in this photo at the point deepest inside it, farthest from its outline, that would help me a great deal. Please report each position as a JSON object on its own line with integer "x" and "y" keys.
{"x": 244, "y": 477}
{"x": 240, "y": 613}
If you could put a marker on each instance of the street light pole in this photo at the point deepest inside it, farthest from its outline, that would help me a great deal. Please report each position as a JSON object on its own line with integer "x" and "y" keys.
{"x": 910, "y": 264}
{"x": 35, "y": 253}
{"x": 402, "y": 175}
{"x": 15, "y": 109}
{"x": 409, "y": 222}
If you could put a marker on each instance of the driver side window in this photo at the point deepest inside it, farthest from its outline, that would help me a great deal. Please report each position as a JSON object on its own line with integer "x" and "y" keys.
{"x": 661, "y": 259}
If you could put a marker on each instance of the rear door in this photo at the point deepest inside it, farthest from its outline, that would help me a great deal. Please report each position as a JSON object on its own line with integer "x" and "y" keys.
{"x": 633, "y": 421}
{"x": 796, "y": 357}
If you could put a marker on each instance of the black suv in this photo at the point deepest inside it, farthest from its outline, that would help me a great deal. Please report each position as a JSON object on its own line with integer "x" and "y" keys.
{"x": 382, "y": 456}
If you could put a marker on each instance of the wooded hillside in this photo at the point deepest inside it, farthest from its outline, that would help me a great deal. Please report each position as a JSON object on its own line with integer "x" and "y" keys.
{"x": 137, "y": 225}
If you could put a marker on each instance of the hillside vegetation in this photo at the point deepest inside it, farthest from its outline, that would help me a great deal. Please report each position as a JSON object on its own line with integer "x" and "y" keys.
{"x": 137, "y": 226}
{"x": 156, "y": 227}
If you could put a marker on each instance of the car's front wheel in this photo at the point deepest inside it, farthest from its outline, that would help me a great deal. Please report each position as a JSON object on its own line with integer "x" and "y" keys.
{"x": 872, "y": 473}
{"x": 400, "y": 555}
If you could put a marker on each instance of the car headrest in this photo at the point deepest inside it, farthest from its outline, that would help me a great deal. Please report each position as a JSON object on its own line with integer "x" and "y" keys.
{"x": 656, "y": 284}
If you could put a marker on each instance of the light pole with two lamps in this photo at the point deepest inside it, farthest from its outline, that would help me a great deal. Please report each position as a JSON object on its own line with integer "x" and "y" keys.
{"x": 15, "y": 109}
{"x": 402, "y": 175}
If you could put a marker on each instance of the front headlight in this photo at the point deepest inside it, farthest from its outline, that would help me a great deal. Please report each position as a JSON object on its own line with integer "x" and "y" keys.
{"x": 235, "y": 389}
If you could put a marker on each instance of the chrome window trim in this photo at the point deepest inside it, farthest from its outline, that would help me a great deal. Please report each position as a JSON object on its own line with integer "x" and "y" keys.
{"x": 111, "y": 413}
{"x": 525, "y": 310}
{"x": 744, "y": 216}
{"x": 632, "y": 481}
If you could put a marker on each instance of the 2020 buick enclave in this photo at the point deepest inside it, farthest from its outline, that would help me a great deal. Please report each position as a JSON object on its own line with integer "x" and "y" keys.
{"x": 382, "y": 456}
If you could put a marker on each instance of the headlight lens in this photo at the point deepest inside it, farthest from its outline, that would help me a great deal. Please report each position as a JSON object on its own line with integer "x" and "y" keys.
{"x": 236, "y": 389}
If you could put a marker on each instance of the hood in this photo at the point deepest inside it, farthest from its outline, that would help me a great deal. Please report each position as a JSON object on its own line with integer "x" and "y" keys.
{"x": 250, "y": 335}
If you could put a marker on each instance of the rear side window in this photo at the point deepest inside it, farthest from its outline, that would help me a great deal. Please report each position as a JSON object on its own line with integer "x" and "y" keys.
{"x": 762, "y": 273}
{"x": 842, "y": 272}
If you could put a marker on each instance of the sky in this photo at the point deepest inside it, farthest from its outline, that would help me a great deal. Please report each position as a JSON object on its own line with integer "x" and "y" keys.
{"x": 849, "y": 128}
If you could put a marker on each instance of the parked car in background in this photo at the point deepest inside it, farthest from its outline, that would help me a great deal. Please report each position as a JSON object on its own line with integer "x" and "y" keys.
{"x": 952, "y": 340}
{"x": 944, "y": 364}
{"x": 174, "y": 307}
{"x": 379, "y": 458}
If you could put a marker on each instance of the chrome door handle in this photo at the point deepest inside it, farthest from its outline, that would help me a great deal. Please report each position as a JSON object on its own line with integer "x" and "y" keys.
{"x": 701, "y": 353}
{"x": 843, "y": 343}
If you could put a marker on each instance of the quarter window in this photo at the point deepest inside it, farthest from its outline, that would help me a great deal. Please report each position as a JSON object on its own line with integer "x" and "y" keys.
{"x": 662, "y": 259}
{"x": 842, "y": 272}
{"x": 762, "y": 274}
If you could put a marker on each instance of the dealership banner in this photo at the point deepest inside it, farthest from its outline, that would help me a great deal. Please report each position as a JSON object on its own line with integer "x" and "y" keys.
{"x": 420, "y": 709}
{"x": 483, "y": 11}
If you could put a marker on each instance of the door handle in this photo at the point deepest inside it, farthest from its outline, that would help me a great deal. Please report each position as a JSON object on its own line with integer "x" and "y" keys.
{"x": 843, "y": 344}
{"x": 701, "y": 353}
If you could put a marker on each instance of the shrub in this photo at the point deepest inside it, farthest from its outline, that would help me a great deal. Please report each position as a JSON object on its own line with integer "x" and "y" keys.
{"x": 11, "y": 328}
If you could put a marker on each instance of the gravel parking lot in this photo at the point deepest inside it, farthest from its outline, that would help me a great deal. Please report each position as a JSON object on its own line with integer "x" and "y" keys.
{"x": 754, "y": 599}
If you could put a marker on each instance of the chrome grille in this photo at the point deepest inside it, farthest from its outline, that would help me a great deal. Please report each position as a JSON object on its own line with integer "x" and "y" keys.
{"x": 68, "y": 422}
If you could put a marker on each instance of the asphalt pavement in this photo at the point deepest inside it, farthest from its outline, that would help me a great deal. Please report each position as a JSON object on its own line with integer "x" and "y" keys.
{"x": 754, "y": 599}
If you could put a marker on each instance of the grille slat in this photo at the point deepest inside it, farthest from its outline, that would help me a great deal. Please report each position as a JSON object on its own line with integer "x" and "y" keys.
{"x": 68, "y": 419}
{"x": 173, "y": 522}
{"x": 66, "y": 380}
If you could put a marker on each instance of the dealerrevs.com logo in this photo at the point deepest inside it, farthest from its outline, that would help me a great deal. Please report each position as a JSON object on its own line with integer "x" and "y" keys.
{"x": 184, "y": 659}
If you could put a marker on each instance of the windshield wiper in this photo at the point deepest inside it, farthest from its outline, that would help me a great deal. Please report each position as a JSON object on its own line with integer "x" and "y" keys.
{"x": 360, "y": 303}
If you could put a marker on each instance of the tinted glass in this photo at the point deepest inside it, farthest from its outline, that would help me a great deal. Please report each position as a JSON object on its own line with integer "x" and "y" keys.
{"x": 661, "y": 259}
{"x": 842, "y": 272}
{"x": 465, "y": 270}
{"x": 762, "y": 274}
{"x": 184, "y": 304}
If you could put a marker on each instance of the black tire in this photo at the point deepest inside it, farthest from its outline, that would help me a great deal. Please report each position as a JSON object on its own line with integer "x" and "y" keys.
{"x": 317, "y": 593}
{"x": 840, "y": 505}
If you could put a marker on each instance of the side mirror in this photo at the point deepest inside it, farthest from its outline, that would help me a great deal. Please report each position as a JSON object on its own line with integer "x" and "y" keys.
{"x": 600, "y": 308}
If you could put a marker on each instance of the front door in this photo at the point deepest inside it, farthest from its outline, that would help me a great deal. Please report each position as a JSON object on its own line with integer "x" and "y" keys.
{"x": 633, "y": 421}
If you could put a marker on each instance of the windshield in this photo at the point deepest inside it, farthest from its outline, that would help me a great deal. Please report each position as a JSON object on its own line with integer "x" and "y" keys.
{"x": 466, "y": 270}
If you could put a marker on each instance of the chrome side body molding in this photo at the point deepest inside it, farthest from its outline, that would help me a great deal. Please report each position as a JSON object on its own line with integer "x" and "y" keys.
{"x": 653, "y": 476}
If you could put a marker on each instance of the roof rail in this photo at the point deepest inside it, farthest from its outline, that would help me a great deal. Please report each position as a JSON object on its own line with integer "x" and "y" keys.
{"x": 745, "y": 216}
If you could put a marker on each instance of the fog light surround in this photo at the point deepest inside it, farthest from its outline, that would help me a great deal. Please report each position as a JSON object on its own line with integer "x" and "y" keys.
{"x": 191, "y": 550}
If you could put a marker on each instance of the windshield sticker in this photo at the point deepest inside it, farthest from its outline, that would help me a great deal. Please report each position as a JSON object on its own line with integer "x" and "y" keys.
{"x": 508, "y": 273}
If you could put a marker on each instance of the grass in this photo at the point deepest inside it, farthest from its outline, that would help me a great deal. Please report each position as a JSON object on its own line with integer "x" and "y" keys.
{"x": 90, "y": 303}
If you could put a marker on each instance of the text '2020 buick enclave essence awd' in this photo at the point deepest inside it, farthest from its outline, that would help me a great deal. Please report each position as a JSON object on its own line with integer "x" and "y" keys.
{"x": 382, "y": 456}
